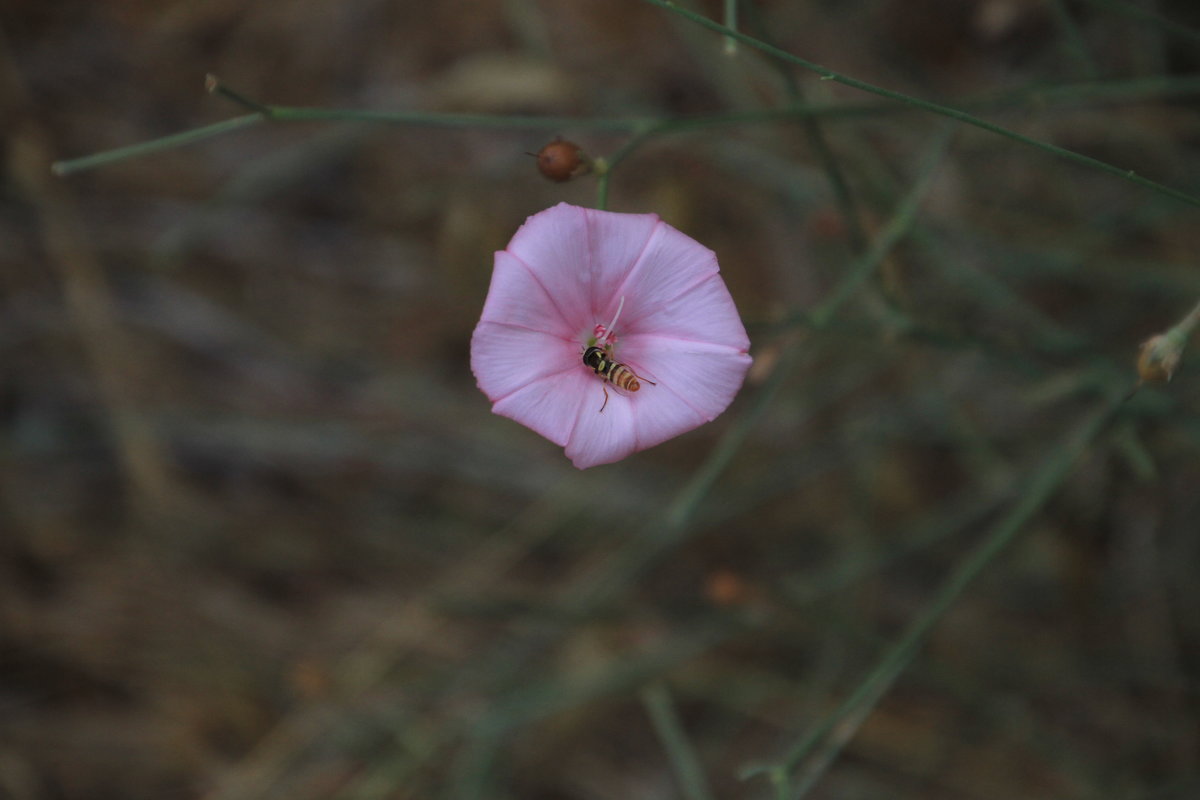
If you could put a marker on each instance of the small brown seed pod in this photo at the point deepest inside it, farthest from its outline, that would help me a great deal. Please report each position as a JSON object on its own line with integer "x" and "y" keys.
{"x": 562, "y": 160}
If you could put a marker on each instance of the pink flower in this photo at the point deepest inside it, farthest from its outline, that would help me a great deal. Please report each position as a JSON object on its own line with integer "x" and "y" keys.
{"x": 648, "y": 296}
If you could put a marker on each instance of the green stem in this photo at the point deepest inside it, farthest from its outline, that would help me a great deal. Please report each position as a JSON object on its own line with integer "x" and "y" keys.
{"x": 427, "y": 119}
{"x": 647, "y": 132}
{"x": 645, "y": 128}
{"x": 895, "y": 229}
{"x": 214, "y": 86}
{"x": 669, "y": 728}
{"x": 814, "y": 133}
{"x": 731, "y": 22}
{"x": 155, "y": 145}
{"x": 1073, "y": 40}
{"x": 1042, "y": 486}
{"x": 926, "y": 105}
{"x": 683, "y": 509}
{"x": 1189, "y": 322}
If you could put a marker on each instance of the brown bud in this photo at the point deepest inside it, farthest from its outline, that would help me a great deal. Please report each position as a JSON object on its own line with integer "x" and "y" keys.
{"x": 562, "y": 160}
{"x": 1158, "y": 358}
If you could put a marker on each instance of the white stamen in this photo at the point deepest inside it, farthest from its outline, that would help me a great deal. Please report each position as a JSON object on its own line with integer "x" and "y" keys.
{"x": 612, "y": 326}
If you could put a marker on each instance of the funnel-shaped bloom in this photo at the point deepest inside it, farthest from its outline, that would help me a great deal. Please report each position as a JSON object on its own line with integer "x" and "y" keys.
{"x": 650, "y": 297}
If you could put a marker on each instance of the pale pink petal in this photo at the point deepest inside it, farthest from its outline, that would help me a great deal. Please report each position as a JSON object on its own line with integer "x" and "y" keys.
{"x": 550, "y": 405}
{"x": 517, "y": 297}
{"x": 671, "y": 264}
{"x": 506, "y": 357}
{"x": 553, "y": 244}
{"x": 703, "y": 312}
{"x": 616, "y": 242}
{"x": 705, "y": 377}
{"x": 660, "y": 414}
{"x": 602, "y": 437}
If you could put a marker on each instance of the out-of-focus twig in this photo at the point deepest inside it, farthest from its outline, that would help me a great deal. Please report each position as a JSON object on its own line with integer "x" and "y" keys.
{"x": 110, "y": 352}
{"x": 926, "y": 105}
{"x": 687, "y": 764}
{"x": 840, "y": 726}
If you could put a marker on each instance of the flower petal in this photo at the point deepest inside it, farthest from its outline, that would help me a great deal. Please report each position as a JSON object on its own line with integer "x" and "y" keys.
{"x": 553, "y": 244}
{"x": 704, "y": 313}
{"x": 602, "y": 437}
{"x": 518, "y": 297}
{"x": 705, "y": 377}
{"x": 671, "y": 264}
{"x": 662, "y": 415}
{"x": 550, "y": 405}
{"x": 506, "y": 357}
{"x": 616, "y": 242}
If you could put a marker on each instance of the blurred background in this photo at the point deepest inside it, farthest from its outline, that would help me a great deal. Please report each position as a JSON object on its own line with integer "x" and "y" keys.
{"x": 261, "y": 537}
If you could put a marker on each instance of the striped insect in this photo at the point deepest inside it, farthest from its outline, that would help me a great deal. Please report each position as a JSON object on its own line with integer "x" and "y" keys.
{"x": 598, "y": 357}
{"x": 600, "y": 360}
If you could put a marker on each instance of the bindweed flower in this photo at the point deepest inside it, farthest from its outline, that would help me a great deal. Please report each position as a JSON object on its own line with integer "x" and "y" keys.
{"x": 670, "y": 349}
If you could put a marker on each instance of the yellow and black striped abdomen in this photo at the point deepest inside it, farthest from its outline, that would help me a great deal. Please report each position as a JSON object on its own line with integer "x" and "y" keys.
{"x": 614, "y": 372}
{"x": 623, "y": 377}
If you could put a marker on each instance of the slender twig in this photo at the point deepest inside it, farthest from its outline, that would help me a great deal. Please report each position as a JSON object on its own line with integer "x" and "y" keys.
{"x": 1042, "y": 486}
{"x": 814, "y": 133}
{"x": 688, "y": 767}
{"x": 634, "y": 142}
{"x": 731, "y": 22}
{"x": 892, "y": 232}
{"x": 213, "y": 85}
{"x": 155, "y": 145}
{"x": 1112, "y": 91}
{"x": 926, "y": 105}
{"x": 1073, "y": 39}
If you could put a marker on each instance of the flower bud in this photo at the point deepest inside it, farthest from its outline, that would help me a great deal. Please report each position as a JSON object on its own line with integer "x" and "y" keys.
{"x": 1159, "y": 357}
{"x": 562, "y": 160}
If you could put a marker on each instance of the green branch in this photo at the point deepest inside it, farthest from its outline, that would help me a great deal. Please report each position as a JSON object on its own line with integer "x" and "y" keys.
{"x": 643, "y": 128}
{"x": 926, "y": 105}
{"x": 154, "y": 145}
{"x": 1041, "y": 487}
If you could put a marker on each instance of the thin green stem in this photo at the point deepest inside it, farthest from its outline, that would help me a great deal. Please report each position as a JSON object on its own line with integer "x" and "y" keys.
{"x": 645, "y": 128}
{"x": 155, "y": 145}
{"x": 814, "y": 133}
{"x": 686, "y": 503}
{"x": 214, "y": 86}
{"x": 731, "y": 22}
{"x": 895, "y": 229}
{"x": 432, "y": 120}
{"x": 1041, "y": 487}
{"x": 687, "y": 765}
{"x": 291, "y": 114}
{"x": 1190, "y": 321}
{"x": 926, "y": 105}
{"x": 639, "y": 138}
{"x": 1074, "y": 42}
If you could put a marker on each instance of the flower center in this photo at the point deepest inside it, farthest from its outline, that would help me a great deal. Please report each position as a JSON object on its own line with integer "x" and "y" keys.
{"x": 606, "y": 337}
